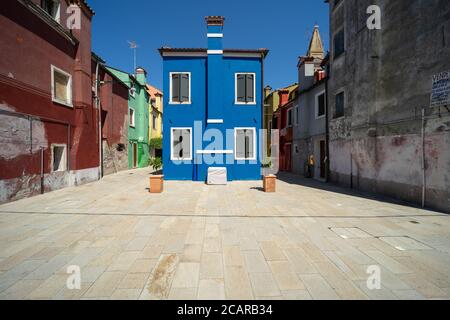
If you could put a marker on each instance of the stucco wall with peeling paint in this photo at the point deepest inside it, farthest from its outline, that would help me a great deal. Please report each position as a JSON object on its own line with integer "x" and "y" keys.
{"x": 386, "y": 76}
{"x": 29, "y": 119}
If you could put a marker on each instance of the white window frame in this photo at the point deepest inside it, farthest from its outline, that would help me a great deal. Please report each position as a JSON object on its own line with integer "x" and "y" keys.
{"x": 57, "y": 16}
{"x": 172, "y": 158}
{"x": 54, "y": 69}
{"x": 132, "y": 120}
{"x": 254, "y": 89}
{"x": 64, "y": 157}
{"x": 254, "y": 143}
{"x": 170, "y": 87}
{"x": 316, "y": 111}
{"x": 132, "y": 89}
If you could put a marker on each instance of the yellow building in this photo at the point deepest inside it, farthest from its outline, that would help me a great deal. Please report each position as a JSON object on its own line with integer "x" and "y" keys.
{"x": 271, "y": 104}
{"x": 155, "y": 121}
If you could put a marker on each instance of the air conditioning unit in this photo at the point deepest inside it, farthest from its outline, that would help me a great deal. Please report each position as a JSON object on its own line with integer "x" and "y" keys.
{"x": 217, "y": 176}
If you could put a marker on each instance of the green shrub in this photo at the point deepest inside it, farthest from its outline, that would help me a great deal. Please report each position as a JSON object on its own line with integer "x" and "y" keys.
{"x": 156, "y": 143}
{"x": 267, "y": 164}
{"x": 156, "y": 163}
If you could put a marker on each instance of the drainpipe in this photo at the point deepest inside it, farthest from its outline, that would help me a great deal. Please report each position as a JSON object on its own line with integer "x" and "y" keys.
{"x": 262, "y": 156}
{"x": 423, "y": 158}
{"x": 327, "y": 133}
{"x": 351, "y": 169}
{"x": 42, "y": 170}
{"x": 97, "y": 103}
{"x": 150, "y": 124}
{"x": 69, "y": 128}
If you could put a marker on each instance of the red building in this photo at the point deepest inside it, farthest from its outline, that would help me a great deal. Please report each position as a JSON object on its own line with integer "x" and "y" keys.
{"x": 284, "y": 118}
{"x": 113, "y": 103}
{"x": 49, "y": 124}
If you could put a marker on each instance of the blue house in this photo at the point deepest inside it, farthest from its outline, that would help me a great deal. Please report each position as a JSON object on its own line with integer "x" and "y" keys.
{"x": 213, "y": 109}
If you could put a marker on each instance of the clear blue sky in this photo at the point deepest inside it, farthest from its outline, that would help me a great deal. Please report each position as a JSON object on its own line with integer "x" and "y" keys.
{"x": 283, "y": 26}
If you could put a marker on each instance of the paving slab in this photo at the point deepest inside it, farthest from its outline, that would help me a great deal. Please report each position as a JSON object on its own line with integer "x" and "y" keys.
{"x": 309, "y": 240}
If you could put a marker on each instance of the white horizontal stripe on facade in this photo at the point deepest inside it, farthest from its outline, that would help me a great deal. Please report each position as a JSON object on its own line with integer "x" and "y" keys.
{"x": 215, "y": 51}
{"x": 214, "y": 151}
{"x": 215, "y": 35}
{"x": 214, "y": 121}
{"x": 203, "y": 54}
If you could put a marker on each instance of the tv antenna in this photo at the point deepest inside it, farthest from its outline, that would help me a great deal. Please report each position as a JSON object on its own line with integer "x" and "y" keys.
{"x": 133, "y": 46}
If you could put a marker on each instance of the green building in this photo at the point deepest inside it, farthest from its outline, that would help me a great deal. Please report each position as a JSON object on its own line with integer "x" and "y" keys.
{"x": 138, "y": 100}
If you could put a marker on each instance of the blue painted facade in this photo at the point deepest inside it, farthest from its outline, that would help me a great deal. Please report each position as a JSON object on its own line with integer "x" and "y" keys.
{"x": 212, "y": 97}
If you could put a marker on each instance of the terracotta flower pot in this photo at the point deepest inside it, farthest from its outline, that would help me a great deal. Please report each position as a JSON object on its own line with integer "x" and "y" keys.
{"x": 269, "y": 183}
{"x": 156, "y": 183}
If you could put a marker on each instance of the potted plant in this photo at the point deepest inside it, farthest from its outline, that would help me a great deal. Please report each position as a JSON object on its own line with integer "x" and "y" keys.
{"x": 269, "y": 180}
{"x": 156, "y": 178}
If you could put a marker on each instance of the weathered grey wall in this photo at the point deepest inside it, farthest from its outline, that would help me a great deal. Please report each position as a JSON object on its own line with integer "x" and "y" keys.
{"x": 386, "y": 76}
{"x": 308, "y": 129}
{"x": 115, "y": 160}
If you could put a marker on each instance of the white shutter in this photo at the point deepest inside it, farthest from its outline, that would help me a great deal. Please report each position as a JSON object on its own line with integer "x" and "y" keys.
{"x": 249, "y": 144}
{"x": 240, "y": 144}
{"x": 186, "y": 134}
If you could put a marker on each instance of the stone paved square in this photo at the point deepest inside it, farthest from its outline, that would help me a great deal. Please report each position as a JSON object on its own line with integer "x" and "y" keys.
{"x": 306, "y": 241}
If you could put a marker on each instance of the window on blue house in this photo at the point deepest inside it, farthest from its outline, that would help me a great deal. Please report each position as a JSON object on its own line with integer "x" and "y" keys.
{"x": 245, "y": 88}
{"x": 181, "y": 144}
{"x": 245, "y": 143}
{"x": 180, "y": 87}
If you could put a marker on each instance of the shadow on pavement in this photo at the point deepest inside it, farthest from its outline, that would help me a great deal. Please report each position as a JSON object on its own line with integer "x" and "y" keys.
{"x": 297, "y": 179}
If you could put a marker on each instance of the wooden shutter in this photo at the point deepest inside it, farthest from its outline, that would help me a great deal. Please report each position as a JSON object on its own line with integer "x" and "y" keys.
{"x": 249, "y": 88}
{"x": 339, "y": 112}
{"x": 176, "y": 87}
{"x": 240, "y": 88}
{"x": 321, "y": 105}
{"x": 184, "y": 87}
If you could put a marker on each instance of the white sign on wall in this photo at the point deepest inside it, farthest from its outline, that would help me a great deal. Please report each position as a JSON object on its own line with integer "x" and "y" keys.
{"x": 309, "y": 70}
{"x": 440, "y": 93}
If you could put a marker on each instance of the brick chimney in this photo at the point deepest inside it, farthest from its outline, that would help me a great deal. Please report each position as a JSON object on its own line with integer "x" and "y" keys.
{"x": 214, "y": 109}
{"x": 284, "y": 97}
